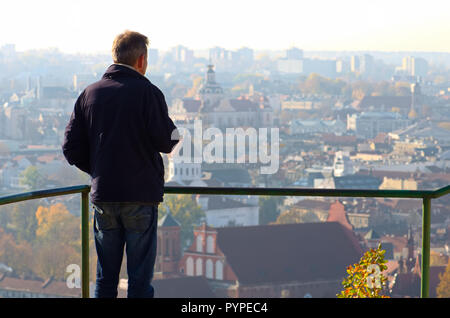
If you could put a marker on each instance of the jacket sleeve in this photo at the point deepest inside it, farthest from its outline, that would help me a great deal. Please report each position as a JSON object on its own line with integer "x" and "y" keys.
{"x": 76, "y": 143}
{"x": 163, "y": 132}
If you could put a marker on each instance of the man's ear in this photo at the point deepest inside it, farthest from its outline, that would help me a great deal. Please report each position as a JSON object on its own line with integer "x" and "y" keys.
{"x": 141, "y": 61}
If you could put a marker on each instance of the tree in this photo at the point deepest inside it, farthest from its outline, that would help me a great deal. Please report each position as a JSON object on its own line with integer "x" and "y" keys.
{"x": 361, "y": 89}
{"x": 18, "y": 256}
{"x": 186, "y": 211}
{"x": 24, "y": 221}
{"x": 295, "y": 216}
{"x": 57, "y": 241}
{"x": 196, "y": 83}
{"x": 33, "y": 178}
{"x": 268, "y": 209}
{"x": 5, "y": 216}
{"x": 316, "y": 84}
{"x": 56, "y": 224}
{"x": 443, "y": 289}
{"x": 365, "y": 279}
{"x": 51, "y": 260}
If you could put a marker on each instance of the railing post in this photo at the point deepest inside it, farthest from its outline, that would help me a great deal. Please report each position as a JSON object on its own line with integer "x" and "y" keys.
{"x": 426, "y": 221}
{"x": 85, "y": 244}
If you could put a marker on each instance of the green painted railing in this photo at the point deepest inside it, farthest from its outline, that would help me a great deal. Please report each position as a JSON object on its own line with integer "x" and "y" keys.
{"x": 426, "y": 197}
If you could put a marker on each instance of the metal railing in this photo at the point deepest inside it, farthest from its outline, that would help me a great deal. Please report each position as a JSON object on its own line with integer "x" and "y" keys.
{"x": 425, "y": 195}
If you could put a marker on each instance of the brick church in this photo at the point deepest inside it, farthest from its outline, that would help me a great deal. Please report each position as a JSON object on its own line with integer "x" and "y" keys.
{"x": 282, "y": 260}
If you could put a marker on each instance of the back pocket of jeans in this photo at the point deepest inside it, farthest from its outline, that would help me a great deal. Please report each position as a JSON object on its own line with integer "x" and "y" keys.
{"x": 140, "y": 221}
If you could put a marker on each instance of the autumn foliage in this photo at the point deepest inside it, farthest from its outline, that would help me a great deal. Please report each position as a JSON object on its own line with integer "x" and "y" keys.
{"x": 443, "y": 289}
{"x": 365, "y": 279}
{"x": 54, "y": 243}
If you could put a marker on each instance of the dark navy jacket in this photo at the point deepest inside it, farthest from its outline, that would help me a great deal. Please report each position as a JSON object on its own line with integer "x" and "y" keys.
{"x": 117, "y": 130}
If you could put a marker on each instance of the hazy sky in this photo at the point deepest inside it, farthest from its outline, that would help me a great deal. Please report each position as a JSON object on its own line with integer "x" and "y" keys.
{"x": 90, "y": 26}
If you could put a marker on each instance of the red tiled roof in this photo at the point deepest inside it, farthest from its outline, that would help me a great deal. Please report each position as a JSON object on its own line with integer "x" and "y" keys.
{"x": 302, "y": 252}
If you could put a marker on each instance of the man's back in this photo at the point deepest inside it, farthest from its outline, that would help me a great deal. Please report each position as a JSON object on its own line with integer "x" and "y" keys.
{"x": 119, "y": 126}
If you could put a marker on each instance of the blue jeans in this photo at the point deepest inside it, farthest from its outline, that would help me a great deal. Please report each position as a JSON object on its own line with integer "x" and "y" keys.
{"x": 125, "y": 224}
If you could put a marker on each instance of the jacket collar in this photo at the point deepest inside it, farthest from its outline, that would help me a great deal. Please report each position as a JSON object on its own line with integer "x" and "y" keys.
{"x": 120, "y": 70}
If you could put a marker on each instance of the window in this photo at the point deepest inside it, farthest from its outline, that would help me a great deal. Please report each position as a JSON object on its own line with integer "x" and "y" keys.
{"x": 209, "y": 269}
{"x": 199, "y": 267}
{"x": 166, "y": 247}
{"x": 219, "y": 270}
{"x": 199, "y": 243}
{"x": 210, "y": 244}
{"x": 190, "y": 266}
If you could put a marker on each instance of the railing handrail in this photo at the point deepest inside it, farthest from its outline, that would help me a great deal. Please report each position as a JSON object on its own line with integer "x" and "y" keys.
{"x": 39, "y": 194}
{"x": 425, "y": 195}
{"x": 417, "y": 194}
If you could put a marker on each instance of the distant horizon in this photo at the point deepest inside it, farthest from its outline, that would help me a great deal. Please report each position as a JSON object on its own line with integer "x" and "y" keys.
{"x": 274, "y": 50}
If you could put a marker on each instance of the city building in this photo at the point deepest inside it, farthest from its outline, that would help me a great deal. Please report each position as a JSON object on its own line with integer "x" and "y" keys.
{"x": 299, "y": 126}
{"x": 12, "y": 287}
{"x": 294, "y": 54}
{"x": 342, "y": 164}
{"x": 354, "y": 64}
{"x": 370, "y": 124}
{"x": 264, "y": 261}
{"x": 210, "y": 93}
{"x": 414, "y": 66}
{"x": 169, "y": 250}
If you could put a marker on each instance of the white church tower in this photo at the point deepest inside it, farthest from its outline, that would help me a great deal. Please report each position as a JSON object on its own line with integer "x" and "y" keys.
{"x": 342, "y": 165}
{"x": 211, "y": 92}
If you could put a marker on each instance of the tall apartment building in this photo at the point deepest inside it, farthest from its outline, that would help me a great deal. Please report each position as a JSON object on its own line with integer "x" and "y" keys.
{"x": 414, "y": 66}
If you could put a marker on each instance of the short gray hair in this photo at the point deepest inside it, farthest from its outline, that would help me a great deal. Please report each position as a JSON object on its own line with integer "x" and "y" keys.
{"x": 128, "y": 46}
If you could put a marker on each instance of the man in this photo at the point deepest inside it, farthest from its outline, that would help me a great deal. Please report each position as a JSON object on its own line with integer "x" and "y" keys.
{"x": 117, "y": 130}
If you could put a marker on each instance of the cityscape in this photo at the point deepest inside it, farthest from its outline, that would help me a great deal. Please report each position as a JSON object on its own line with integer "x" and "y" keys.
{"x": 343, "y": 120}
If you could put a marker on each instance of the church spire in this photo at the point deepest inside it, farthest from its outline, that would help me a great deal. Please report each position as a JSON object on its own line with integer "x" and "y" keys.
{"x": 210, "y": 75}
